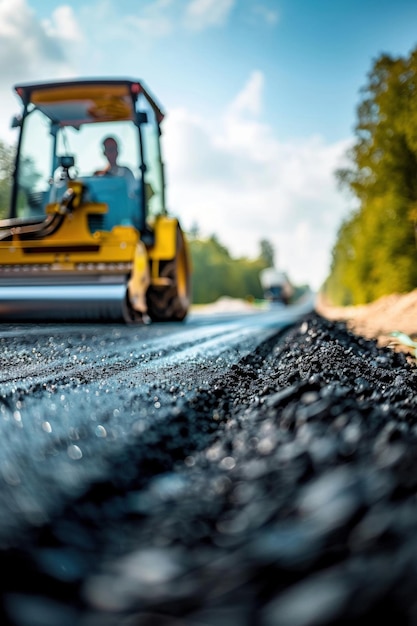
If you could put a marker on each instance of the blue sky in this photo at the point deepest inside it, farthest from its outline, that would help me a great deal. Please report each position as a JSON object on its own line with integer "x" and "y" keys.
{"x": 260, "y": 97}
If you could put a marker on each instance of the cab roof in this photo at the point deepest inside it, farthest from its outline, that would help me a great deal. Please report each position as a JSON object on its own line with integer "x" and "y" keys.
{"x": 86, "y": 101}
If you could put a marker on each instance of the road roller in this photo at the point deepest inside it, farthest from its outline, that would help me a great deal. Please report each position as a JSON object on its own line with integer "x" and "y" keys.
{"x": 88, "y": 235}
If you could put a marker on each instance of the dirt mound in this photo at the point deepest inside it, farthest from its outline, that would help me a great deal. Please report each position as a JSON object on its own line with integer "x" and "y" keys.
{"x": 395, "y": 313}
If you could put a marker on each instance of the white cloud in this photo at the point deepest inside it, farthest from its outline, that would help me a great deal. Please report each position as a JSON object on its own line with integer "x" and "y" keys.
{"x": 201, "y": 14}
{"x": 63, "y": 26}
{"x": 157, "y": 19}
{"x": 152, "y": 21}
{"x": 28, "y": 46}
{"x": 233, "y": 177}
{"x": 147, "y": 22}
{"x": 249, "y": 99}
{"x": 32, "y": 50}
{"x": 270, "y": 16}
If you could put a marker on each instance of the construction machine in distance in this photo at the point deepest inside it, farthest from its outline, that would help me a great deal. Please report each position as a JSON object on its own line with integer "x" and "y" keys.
{"x": 276, "y": 286}
{"x": 80, "y": 243}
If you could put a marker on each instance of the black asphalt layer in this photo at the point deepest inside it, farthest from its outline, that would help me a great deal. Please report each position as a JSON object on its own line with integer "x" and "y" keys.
{"x": 281, "y": 492}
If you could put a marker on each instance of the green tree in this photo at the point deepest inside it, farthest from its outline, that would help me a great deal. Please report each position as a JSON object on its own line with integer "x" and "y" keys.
{"x": 375, "y": 252}
{"x": 6, "y": 169}
{"x": 267, "y": 252}
{"x": 216, "y": 273}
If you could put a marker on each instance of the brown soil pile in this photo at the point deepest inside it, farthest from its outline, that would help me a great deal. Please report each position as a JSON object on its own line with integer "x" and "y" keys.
{"x": 396, "y": 313}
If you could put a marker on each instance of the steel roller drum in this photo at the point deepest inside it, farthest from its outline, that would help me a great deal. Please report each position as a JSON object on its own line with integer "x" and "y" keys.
{"x": 65, "y": 302}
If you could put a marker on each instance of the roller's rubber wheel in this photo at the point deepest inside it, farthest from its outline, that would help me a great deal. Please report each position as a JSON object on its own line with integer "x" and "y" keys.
{"x": 171, "y": 303}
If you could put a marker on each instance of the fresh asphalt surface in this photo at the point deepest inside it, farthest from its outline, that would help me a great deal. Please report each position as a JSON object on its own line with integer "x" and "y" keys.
{"x": 249, "y": 469}
{"x": 72, "y": 395}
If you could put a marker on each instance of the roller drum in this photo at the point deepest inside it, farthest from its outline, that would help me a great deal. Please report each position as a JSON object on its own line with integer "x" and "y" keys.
{"x": 72, "y": 302}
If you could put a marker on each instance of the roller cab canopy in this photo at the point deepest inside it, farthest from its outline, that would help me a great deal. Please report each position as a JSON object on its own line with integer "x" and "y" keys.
{"x": 66, "y": 122}
{"x": 78, "y": 102}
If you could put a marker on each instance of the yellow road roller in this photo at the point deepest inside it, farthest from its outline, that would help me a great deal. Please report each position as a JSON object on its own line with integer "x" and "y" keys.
{"x": 88, "y": 235}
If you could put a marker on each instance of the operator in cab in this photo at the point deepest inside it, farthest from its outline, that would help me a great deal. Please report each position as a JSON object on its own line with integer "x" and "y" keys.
{"x": 111, "y": 152}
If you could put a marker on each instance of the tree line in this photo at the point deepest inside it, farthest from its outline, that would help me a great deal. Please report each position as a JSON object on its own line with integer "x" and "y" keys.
{"x": 215, "y": 273}
{"x": 375, "y": 249}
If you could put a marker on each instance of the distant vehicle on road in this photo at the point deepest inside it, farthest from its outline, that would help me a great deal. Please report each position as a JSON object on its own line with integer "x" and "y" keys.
{"x": 276, "y": 285}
